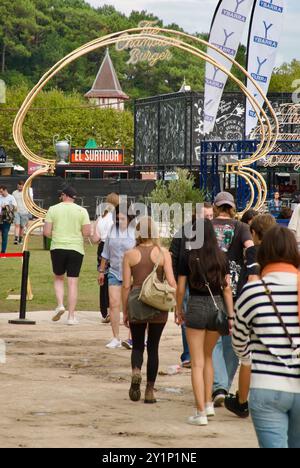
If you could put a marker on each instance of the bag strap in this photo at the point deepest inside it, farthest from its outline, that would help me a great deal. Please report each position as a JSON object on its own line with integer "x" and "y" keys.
{"x": 207, "y": 285}
{"x": 158, "y": 261}
{"x": 269, "y": 294}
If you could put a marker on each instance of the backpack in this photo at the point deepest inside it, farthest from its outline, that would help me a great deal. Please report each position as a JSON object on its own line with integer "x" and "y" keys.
{"x": 7, "y": 215}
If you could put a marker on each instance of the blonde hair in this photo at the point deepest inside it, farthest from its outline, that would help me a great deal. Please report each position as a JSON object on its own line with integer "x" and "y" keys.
{"x": 147, "y": 230}
{"x": 111, "y": 202}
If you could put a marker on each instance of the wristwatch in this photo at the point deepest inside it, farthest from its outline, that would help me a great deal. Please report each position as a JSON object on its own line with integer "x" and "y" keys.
{"x": 101, "y": 271}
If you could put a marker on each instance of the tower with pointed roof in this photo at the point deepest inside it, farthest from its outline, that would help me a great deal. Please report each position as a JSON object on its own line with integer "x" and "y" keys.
{"x": 106, "y": 91}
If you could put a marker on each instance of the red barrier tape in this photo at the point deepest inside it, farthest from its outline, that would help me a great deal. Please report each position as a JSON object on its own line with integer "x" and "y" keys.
{"x": 11, "y": 255}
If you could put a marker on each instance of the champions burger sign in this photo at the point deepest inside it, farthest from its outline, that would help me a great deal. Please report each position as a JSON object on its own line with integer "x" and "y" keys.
{"x": 97, "y": 156}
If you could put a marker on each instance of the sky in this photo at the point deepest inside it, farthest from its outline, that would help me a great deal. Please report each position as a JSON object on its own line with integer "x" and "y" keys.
{"x": 196, "y": 16}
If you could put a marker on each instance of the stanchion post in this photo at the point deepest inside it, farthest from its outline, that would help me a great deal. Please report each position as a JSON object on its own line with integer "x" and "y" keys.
{"x": 23, "y": 302}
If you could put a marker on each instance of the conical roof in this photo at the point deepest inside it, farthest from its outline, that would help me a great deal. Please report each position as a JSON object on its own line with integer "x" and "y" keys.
{"x": 106, "y": 84}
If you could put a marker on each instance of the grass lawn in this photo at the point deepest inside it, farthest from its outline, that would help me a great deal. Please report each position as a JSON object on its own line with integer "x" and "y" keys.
{"x": 41, "y": 279}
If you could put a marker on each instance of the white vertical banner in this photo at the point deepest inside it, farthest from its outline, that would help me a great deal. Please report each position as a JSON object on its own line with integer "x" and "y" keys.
{"x": 264, "y": 38}
{"x": 227, "y": 29}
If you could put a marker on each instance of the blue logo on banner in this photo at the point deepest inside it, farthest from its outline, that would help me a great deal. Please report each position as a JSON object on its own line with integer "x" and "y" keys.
{"x": 235, "y": 14}
{"x": 257, "y": 76}
{"x": 208, "y": 118}
{"x": 212, "y": 82}
{"x": 270, "y": 6}
{"x": 224, "y": 47}
{"x": 265, "y": 40}
{"x": 252, "y": 113}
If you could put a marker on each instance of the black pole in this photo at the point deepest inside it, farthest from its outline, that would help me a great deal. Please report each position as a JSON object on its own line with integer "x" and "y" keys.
{"x": 24, "y": 285}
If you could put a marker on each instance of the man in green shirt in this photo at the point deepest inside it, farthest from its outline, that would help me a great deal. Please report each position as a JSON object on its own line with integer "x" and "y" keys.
{"x": 67, "y": 224}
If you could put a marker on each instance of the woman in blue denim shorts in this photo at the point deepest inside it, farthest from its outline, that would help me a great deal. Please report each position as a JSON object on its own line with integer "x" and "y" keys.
{"x": 209, "y": 264}
{"x": 120, "y": 240}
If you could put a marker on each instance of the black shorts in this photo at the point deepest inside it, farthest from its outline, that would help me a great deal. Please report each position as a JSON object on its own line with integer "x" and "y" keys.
{"x": 201, "y": 313}
{"x": 66, "y": 261}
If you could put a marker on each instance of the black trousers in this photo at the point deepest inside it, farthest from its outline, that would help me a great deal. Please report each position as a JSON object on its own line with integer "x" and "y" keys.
{"x": 138, "y": 332}
{"x": 103, "y": 291}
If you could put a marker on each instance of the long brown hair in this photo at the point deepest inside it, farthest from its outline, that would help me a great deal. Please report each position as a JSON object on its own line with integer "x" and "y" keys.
{"x": 147, "y": 230}
{"x": 278, "y": 246}
{"x": 209, "y": 260}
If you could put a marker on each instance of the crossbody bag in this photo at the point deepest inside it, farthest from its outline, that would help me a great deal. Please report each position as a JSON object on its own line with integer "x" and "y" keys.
{"x": 221, "y": 320}
{"x": 295, "y": 356}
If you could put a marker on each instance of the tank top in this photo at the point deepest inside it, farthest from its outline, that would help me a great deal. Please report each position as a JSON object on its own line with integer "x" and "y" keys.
{"x": 145, "y": 267}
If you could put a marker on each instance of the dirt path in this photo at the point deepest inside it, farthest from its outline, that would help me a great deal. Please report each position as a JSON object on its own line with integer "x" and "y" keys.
{"x": 61, "y": 387}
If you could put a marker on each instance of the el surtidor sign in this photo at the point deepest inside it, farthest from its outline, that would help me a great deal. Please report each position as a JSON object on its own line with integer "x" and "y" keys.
{"x": 97, "y": 156}
{"x": 283, "y": 160}
{"x": 145, "y": 50}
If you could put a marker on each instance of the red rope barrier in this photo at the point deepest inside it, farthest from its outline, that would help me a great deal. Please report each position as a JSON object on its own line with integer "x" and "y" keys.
{"x": 11, "y": 255}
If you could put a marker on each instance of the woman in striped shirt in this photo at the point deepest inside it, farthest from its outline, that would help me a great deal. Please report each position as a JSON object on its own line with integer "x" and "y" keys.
{"x": 266, "y": 335}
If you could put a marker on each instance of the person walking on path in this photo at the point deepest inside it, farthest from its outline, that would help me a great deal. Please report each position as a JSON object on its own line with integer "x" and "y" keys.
{"x": 67, "y": 224}
{"x": 233, "y": 238}
{"x": 22, "y": 215}
{"x": 138, "y": 264}
{"x": 266, "y": 336}
{"x": 103, "y": 226}
{"x": 238, "y": 403}
{"x": 8, "y": 206}
{"x": 275, "y": 205}
{"x": 205, "y": 266}
{"x": 120, "y": 239}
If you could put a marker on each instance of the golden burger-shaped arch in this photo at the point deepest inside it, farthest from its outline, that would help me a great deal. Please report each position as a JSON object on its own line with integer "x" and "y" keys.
{"x": 269, "y": 133}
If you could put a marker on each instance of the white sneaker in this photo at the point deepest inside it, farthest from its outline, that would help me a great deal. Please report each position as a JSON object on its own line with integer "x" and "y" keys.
{"x": 198, "y": 420}
{"x": 59, "y": 311}
{"x": 210, "y": 410}
{"x": 114, "y": 343}
{"x": 72, "y": 322}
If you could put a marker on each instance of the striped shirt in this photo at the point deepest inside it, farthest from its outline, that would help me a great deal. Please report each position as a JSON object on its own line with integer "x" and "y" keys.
{"x": 259, "y": 338}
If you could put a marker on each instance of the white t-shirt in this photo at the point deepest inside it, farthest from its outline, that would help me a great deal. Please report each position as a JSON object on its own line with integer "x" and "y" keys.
{"x": 20, "y": 204}
{"x": 294, "y": 224}
{"x": 104, "y": 225}
{"x": 7, "y": 201}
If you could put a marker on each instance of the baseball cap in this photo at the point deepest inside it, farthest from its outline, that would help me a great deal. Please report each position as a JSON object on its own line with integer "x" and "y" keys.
{"x": 224, "y": 198}
{"x": 69, "y": 192}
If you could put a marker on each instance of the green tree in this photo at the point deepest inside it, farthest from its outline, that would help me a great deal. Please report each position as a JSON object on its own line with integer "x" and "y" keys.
{"x": 284, "y": 77}
{"x": 17, "y": 29}
{"x": 53, "y": 113}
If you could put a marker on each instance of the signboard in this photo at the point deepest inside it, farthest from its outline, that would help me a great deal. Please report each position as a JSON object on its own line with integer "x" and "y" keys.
{"x": 32, "y": 167}
{"x": 283, "y": 160}
{"x": 97, "y": 156}
{"x": 265, "y": 34}
{"x": 145, "y": 50}
{"x": 229, "y": 23}
{"x": 2, "y": 155}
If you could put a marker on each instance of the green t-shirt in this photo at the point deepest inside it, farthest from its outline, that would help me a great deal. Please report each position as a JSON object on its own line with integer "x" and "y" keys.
{"x": 67, "y": 220}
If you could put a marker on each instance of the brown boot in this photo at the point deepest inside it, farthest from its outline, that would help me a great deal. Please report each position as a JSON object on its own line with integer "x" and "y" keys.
{"x": 149, "y": 393}
{"x": 135, "y": 388}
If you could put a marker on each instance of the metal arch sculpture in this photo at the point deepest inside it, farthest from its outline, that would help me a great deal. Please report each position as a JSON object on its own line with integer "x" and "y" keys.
{"x": 269, "y": 132}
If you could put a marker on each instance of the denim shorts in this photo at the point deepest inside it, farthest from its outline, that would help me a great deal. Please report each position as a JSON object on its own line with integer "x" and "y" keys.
{"x": 201, "y": 312}
{"x": 113, "y": 280}
{"x": 21, "y": 220}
